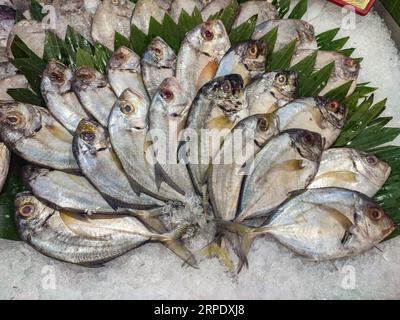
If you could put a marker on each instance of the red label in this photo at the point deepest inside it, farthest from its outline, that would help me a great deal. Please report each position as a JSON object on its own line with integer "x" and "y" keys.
{"x": 362, "y": 7}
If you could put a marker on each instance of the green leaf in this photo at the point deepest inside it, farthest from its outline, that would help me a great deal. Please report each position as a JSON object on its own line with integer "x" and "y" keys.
{"x": 244, "y": 31}
{"x": 336, "y": 45}
{"x": 73, "y": 41}
{"x": 20, "y": 50}
{"x": 270, "y": 40}
{"x": 25, "y": 95}
{"x": 139, "y": 40}
{"x": 83, "y": 58}
{"x": 316, "y": 82}
{"x": 305, "y": 67}
{"x": 283, "y": 7}
{"x": 227, "y": 16}
{"x": 171, "y": 33}
{"x": 121, "y": 41}
{"x": 299, "y": 10}
{"x": 341, "y": 92}
{"x": 326, "y": 38}
{"x": 101, "y": 57}
{"x": 362, "y": 90}
{"x": 19, "y": 16}
{"x": 373, "y": 137}
{"x": 32, "y": 70}
{"x": 36, "y": 11}
{"x": 281, "y": 59}
{"x": 347, "y": 52}
{"x": 54, "y": 48}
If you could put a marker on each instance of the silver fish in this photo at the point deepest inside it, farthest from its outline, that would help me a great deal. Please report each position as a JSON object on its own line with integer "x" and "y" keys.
{"x": 11, "y": 82}
{"x": 84, "y": 240}
{"x": 56, "y": 88}
{"x": 31, "y": 33}
{"x": 272, "y": 90}
{"x": 4, "y": 164}
{"x": 129, "y": 137}
{"x": 263, "y": 9}
{"x": 33, "y": 134}
{"x": 167, "y": 117}
{"x": 229, "y": 167}
{"x": 211, "y": 8}
{"x": 145, "y": 9}
{"x": 158, "y": 63}
{"x": 318, "y": 114}
{"x": 246, "y": 58}
{"x": 124, "y": 71}
{"x": 346, "y": 69}
{"x": 287, "y": 163}
{"x": 7, "y": 21}
{"x": 351, "y": 169}
{"x": 188, "y": 5}
{"x": 288, "y": 31}
{"x": 326, "y": 224}
{"x": 101, "y": 166}
{"x": 199, "y": 55}
{"x": 112, "y": 16}
{"x": 94, "y": 93}
{"x": 213, "y": 112}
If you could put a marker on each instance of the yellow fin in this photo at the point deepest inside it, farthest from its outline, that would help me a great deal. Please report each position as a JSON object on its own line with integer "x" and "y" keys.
{"x": 345, "y": 176}
{"x": 289, "y": 165}
{"x": 207, "y": 73}
{"x": 220, "y": 123}
{"x": 219, "y": 251}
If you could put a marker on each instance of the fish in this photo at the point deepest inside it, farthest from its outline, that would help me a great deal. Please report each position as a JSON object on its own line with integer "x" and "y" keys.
{"x": 16, "y": 81}
{"x": 346, "y": 69}
{"x": 211, "y": 8}
{"x": 213, "y": 113}
{"x": 233, "y": 159}
{"x": 124, "y": 71}
{"x": 288, "y": 31}
{"x": 324, "y": 224}
{"x": 158, "y": 63}
{"x": 7, "y": 21}
{"x": 94, "y": 93}
{"x": 270, "y": 91}
{"x": 199, "y": 55}
{"x": 86, "y": 240}
{"x": 32, "y": 33}
{"x": 128, "y": 128}
{"x": 246, "y": 58}
{"x": 145, "y": 9}
{"x": 188, "y": 5}
{"x": 100, "y": 165}
{"x": 318, "y": 114}
{"x": 112, "y": 16}
{"x": 62, "y": 102}
{"x": 167, "y": 118}
{"x": 264, "y": 11}
{"x": 33, "y": 134}
{"x": 351, "y": 169}
{"x": 288, "y": 162}
{"x": 4, "y": 164}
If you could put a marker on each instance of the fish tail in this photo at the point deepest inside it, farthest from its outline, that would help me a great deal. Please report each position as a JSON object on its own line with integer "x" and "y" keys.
{"x": 219, "y": 250}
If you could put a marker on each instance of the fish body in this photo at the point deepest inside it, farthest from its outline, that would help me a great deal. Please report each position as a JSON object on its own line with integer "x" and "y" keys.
{"x": 234, "y": 158}
{"x": 288, "y": 31}
{"x": 124, "y": 71}
{"x": 7, "y": 21}
{"x": 158, "y": 63}
{"x": 211, "y": 8}
{"x": 15, "y": 81}
{"x": 100, "y": 165}
{"x": 31, "y": 33}
{"x": 33, "y": 134}
{"x": 351, "y": 169}
{"x": 4, "y": 164}
{"x": 94, "y": 93}
{"x": 246, "y": 58}
{"x": 145, "y": 9}
{"x": 111, "y": 16}
{"x": 188, "y": 5}
{"x": 270, "y": 91}
{"x": 56, "y": 88}
{"x": 199, "y": 55}
{"x": 288, "y": 162}
{"x": 264, "y": 10}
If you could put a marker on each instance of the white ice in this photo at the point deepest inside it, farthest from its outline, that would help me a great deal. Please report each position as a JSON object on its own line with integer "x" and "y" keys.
{"x": 151, "y": 272}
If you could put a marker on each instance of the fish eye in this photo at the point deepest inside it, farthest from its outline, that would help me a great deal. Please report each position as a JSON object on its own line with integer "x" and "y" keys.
{"x": 372, "y": 160}
{"x": 57, "y": 76}
{"x": 334, "y": 106}
{"x": 157, "y": 51}
{"x": 350, "y": 63}
{"x": 115, "y": 2}
{"x": 87, "y": 136}
{"x": 308, "y": 138}
{"x": 13, "y": 120}
{"x": 253, "y": 51}
{"x": 262, "y": 124}
{"x": 127, "y": 108}
{"x": 226, "y": 87}
{"x": 207, "y": 34}
{"x": 27, "y": 210}
{"x": 281, "y": 79}
{"x": 167, "y": 95}
{"x": 375, "y": 214}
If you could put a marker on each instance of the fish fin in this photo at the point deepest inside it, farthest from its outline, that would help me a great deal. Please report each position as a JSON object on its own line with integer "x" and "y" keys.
{"x": 345, "y": 222}
{"x": 153, "y": 222}
{"x": 346, "y": 237}
{"x": 112, "y": 204}
{"x": 346, "y": 176}
{"x": 296, "y": 193}
{"x": 162, "y": 176}
{"x": 137, "y": 189}
{"x": 289, "y": 165}
{"x": 219, "y": 250}
{"x": 207, "y": 73}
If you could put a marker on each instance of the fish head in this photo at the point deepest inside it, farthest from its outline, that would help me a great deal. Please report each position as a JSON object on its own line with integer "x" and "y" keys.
{"x": 308, "y": 144}
{"x": 30, "y": 213}
{"x": 305, "y": 32}
{"x": 332, "y": 111}
{"x": 91, "y": 136}
{"x": 261, "y": 127}
{"x": 210, "y": 38}
{"x": 159, "y": 54}
{"x": 283, "y": 85}
{"x": 31, "y": 172}
{"x": 124, "y": 59}
{"x": 373, "y": 224}
{"x": 369, "y": 166}
{"x": 86, "y": 78}
{"x": 347, "y": 68}
{"x": 132, "y": 109}
{"x": 57, "y": 77}
{"x": 173, "y": 99}
{"x": 19, "y": 120}
{"x": 252, "y": 54}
